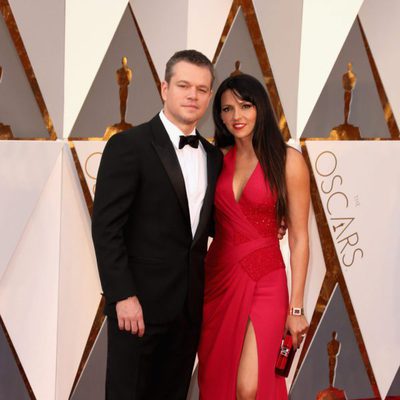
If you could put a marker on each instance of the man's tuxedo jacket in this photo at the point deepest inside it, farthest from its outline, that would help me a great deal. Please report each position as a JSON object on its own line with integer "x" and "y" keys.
{"x": 141, "y": 224}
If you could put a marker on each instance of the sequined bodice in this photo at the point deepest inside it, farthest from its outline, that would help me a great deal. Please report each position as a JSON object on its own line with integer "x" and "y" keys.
{"x": 247, "y": 227}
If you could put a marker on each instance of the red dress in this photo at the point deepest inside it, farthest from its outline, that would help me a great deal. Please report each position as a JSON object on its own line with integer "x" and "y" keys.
{"x": 245, "y": 279}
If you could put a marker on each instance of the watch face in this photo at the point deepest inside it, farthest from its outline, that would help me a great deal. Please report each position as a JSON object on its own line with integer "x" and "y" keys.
{"x": 297, "y": 311}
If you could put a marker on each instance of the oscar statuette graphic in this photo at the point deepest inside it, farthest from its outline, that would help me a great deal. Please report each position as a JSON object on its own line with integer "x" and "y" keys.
{"x": 347, "y": 131}
{"x": 124, "y": 78}
{"x": 5, "y": 130}
{"x": 237, "y": 70}
{"x": 332, "y": 393}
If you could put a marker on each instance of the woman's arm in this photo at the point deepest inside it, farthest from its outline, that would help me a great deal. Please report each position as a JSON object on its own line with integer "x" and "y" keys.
{"x": 298, "y": 202}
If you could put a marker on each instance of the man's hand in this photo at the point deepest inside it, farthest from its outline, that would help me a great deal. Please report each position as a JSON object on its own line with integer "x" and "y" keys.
{"x": 282, "y": 229}
{"x": 130, "y": 315}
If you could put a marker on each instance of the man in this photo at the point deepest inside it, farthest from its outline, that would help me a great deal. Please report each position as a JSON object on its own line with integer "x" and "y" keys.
{"x": 151, "y": 219}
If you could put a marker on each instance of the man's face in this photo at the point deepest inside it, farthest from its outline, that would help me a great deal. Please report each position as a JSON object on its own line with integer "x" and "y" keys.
{"x": 187, "y": 95}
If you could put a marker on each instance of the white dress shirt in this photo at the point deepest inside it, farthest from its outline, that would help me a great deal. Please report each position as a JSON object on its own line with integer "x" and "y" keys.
{"x": 193, "y": 164}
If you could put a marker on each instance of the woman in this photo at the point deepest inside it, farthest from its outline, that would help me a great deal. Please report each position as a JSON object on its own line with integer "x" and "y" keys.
{"x": 247, "y": 310}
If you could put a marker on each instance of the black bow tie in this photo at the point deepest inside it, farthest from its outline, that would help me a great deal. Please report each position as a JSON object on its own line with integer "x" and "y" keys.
{"x": 192, "y": 140}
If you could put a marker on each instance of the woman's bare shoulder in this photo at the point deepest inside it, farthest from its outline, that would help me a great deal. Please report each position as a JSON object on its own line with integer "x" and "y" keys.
{"x": 295, "y": 163}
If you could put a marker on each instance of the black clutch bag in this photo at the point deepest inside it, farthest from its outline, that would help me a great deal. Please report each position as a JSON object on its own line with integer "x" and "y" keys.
{"x": 285, "y": 356}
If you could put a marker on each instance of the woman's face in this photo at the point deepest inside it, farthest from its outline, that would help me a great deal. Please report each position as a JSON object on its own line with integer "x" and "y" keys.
{"x": 239, "y": 116}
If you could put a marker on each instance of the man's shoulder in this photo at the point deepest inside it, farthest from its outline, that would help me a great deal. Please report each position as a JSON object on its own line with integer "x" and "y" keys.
{"x": 210, "y": 147}
{"x": 206, "y": 142}
{"x": 134, "y": 136}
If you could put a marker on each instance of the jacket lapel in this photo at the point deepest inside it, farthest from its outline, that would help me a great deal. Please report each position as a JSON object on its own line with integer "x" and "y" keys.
{"x": 165, "y": 150}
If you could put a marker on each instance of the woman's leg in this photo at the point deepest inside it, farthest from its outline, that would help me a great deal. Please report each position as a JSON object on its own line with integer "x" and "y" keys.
{"x": 247, "y": 378}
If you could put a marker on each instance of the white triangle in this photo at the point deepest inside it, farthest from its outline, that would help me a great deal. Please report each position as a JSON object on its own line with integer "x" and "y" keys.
{"x": 24, "y": 170}
{"x": 79, "y": 285}
{"x": 29, "y": 291}
{"x": 90, "y": 25}
{"x": 280, "y": 25}
{"x": 35, "y": 19}
{"x": 380, "y": 20}
{"x": 206, "y": 21}
{"x": 353, "y": 179}
{"x": 89, "y": 154}
{"x": 316, "y": 267}
{"x": 326, "y": 24}
{"x": 166, "y": 21}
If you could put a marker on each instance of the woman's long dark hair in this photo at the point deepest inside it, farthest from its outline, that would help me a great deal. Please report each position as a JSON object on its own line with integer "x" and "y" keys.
{"x": 268, "y": 142}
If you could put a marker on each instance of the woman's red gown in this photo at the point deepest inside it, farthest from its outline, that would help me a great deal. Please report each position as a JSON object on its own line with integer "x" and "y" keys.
{"x": 245, "y": 279}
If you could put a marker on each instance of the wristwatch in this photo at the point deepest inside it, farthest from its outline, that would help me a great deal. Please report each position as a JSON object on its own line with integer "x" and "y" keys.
{"x": 297, "y": 311}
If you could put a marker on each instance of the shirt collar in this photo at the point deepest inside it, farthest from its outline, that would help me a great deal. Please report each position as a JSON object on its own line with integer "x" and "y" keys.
{"x": 173, "y": 131}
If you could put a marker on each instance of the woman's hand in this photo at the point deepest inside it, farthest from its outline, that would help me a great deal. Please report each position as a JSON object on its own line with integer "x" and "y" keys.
{"x": 282, "y": 230}
{"x": 297, "y": 325}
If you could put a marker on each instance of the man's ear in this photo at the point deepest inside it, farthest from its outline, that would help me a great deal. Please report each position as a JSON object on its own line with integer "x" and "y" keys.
{"x": 164, "y": 89}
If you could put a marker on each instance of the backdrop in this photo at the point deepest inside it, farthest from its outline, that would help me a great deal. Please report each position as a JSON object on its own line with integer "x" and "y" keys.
{"x": 58, "y": 95}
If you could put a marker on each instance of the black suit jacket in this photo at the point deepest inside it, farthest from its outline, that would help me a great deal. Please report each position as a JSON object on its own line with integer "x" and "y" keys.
{"x": 141, "y": 224}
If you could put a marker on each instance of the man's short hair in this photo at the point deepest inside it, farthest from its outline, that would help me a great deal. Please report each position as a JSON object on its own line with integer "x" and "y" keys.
{"x": 192, "y": 57}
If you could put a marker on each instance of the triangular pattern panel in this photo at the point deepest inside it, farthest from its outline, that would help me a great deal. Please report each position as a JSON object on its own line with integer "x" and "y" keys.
{"x": 380, "y": 20}
{"x": 280, "y": 25}
{"x": 353, "y": 180}
{"x": 206, "y": 21}
{"x": 37, "y": 21}
{"x": 351, "y": 375}
{"x": 102, "y": 104}
{"x": 165, "y": 21}
{"x": 325, "y": 27}
{"x": 395, "y": 387}
{"x": 89, "y": 28}
{"x": 29, "y": 291}
{"x": 11, "y": 383}
{"x": 94, "y": 370}
{"x": 89, "y": 156}
{"x": 366, "y": 111}
{"x": 193, "y": 392}
{"x": 238, "y": 46}
{"x": 79, "y": 285}
{"x": 24, "y": 170}
{"x": 18, "y": 107}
